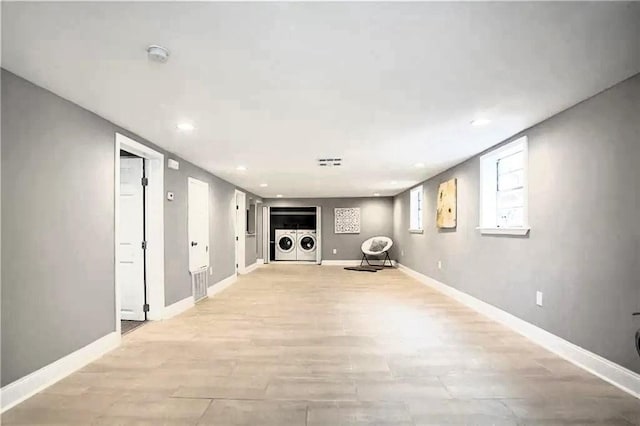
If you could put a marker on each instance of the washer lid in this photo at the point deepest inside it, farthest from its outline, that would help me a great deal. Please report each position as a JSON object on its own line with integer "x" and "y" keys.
{"x": 286, "y": 244}
{"x": 307, "y": 242}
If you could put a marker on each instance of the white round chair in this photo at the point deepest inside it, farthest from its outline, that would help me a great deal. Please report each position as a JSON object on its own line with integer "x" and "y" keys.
{"x": 377, "y": 246}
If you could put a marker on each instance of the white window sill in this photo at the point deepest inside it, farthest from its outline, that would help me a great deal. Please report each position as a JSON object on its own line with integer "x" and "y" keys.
{"x": 504, "y": 231}
{"x": 416, "y": 231}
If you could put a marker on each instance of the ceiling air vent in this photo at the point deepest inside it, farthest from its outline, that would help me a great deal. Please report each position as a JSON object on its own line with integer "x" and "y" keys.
{"x": 329, "y": 162}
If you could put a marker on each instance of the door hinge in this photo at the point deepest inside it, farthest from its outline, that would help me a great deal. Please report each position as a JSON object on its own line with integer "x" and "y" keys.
{"x": 236, "y": 266}
{"x": 237, "y": 207}
{"x": 144, "y": 245}
{"x": 145, "y": 181}
{"x": 145, "y": 307}
{"x": 237, "y": 239}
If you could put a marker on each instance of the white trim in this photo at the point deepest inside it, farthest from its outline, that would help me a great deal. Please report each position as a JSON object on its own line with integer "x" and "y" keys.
{"x": 504, "y": 231}
{"x": 318, "y": 235}
{"x": 179, "y": 307}
{"x": 260, "y": 261}
{"x": 27, "y": 386}
{"x": 154, "y": 222}
{"x": 188, "y": 302}
{"x": 221, "y": 285}
{"x": 349, "y": 262}
{"x": 240, "y": 221}
{"x": 250, "y": 268}
{"x": 416, "y": 231}
{"x": 609, "y": 371}
{"x": 266, "y": 234}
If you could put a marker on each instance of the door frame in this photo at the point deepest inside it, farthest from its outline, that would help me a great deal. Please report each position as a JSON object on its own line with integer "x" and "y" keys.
{"x": 154, "y": 224}
{"x": 319, "y": 235}
{"x": 266, "y": 234}
{"x": 240, "y": 220}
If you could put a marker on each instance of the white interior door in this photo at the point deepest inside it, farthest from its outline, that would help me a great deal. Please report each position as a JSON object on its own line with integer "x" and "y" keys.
{"x": 319, "y": 235}
{"x": 241, "y": 225}
{"x": 131, "y": 229}
{"x": 198, "y": 223}
{"x": 266, "y": 234}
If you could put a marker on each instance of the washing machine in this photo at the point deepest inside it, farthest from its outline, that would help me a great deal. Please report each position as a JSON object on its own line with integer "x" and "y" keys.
{"x": 307, "y": 244}
{"x": 286, "y": 244}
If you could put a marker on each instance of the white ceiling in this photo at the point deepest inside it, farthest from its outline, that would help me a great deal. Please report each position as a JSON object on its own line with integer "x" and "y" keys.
{"x": 275, "y": 86}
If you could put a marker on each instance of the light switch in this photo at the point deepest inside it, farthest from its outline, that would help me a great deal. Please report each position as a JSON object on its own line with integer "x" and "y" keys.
{"x": 335, "y": 251}
{"x": 539, "y": 298}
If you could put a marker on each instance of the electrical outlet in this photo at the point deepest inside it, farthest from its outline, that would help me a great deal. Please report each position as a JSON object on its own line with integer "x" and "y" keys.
{"x": 210, "y": 270}
{"x": 539, "y": 298}
{"x": 335, "y": 251}
{"x": 439, "y": 264}
{"x": 401, "y": 252}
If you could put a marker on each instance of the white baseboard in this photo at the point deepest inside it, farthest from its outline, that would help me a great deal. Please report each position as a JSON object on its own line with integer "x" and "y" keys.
{"x": 609, "y": 371}
{"x": 27, "y": 386}
{"x": 351, "y": 262}
{"x": 221, "y": 285}
{"x": 178, "y": 307}
{"x": 250, "y": 268}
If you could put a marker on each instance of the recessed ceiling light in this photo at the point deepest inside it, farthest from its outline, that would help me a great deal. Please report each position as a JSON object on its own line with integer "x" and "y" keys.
{"x": 480, "y": 122}
{"x": 419, "y": 165}
{"x": 241, "y": 168}
{"x": 186, "y": 127}
{"x": 376, "y": 194}
{"x": 264, "y": 185}
{"x": 279, "y": 196}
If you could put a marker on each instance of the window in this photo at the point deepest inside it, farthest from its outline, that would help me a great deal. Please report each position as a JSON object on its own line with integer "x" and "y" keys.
{"x": 416, "y": 209}
{"x": 503, "y": 190}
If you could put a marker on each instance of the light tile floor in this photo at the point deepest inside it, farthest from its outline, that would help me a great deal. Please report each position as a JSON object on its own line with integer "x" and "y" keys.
{"x": 309, "y": 345}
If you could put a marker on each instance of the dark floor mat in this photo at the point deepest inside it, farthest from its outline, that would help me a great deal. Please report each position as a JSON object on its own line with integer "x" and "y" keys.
{"x": 362, "y": 268}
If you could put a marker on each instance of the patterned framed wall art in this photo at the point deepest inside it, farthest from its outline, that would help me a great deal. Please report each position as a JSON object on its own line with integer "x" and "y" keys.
{"x": 347, "y": 220}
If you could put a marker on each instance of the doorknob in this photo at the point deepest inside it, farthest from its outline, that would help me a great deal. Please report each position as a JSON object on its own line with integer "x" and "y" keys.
{"x": 194, "y": 243}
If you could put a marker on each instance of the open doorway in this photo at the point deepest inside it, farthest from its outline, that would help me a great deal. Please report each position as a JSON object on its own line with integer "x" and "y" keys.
{"x": 139, "y": 234}
{"x": 292, "y": 234}
{"x": 132, "y": 263}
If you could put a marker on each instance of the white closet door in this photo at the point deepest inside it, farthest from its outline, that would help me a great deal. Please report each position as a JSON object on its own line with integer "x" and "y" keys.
{"x": 198, "y": 224}
{"x": 131, "y": 229}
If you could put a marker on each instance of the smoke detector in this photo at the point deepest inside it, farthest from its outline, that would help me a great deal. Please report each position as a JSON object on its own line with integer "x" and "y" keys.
{"x": 158, "y": 53}
{"x": 329, "y": 162}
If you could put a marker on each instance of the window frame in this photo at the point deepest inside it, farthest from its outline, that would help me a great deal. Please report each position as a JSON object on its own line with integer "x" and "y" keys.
{"x": 420, "y": 210}
{"x": 489, "y": 188}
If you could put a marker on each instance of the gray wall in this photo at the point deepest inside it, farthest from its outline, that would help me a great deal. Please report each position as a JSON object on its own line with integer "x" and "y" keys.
{"x": 583, "y": 251}
{"x": 376, "y": 218}
{"x": 221, "y": 229}
{"x": 58, "y": 220}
